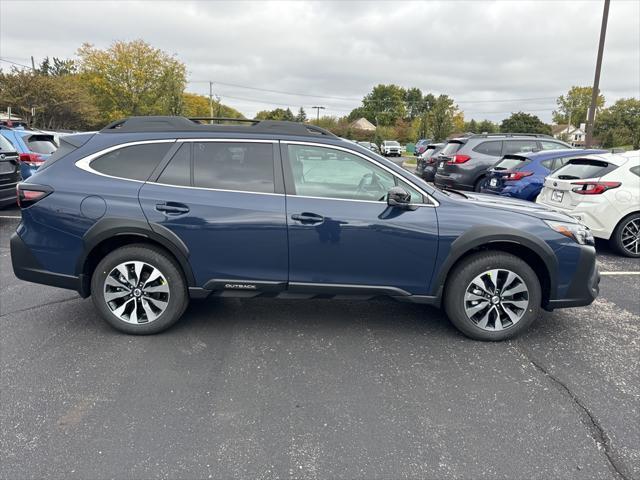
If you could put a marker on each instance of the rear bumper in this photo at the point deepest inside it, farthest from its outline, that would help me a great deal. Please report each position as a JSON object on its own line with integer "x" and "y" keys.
{"x": 8, "y": 193}
{"x": 453, "y": 180}
{"x": 585, "y": 286}
{"x": 26, "y": 267}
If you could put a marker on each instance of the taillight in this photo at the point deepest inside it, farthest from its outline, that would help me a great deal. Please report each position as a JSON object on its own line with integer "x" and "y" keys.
{"x": 514, "y": 176}
{"x": 459, "y": 159}
{"x": 31, "y": 159}
{"x": 593, "y": 188}
{"x": 29, "y": 194}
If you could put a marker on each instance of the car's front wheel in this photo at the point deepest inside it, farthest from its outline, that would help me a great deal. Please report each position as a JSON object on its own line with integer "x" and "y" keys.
{"x": 492, "y": 296}
{"x": 626, "y": 236}
{"x": 139, "y": 289}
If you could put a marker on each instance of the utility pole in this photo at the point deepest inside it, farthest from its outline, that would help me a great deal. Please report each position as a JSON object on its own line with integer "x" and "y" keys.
{"x": 210, "y": 102}
{"x": 318, "y": 114}
{"x": 33, "y": 64}
{"x": 596, "y": 80}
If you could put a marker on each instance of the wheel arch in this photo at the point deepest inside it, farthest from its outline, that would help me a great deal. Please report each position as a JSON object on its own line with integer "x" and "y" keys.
{"x": 535, "y": 252}
{"x": 109, "y": 234}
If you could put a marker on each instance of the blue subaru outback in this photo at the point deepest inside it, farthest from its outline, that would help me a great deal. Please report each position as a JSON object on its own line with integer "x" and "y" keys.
{"x": 152, "y": 211}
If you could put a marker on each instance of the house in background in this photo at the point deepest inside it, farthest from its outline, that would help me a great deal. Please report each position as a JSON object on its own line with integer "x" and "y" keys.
{"x": 570, "y": 134}
{"x": 363, "y": 124}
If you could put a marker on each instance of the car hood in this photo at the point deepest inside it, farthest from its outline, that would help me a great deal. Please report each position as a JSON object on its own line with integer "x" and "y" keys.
{"x": 520, "y": 206}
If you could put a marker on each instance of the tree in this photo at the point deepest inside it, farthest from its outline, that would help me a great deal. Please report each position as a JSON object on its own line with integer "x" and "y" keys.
{"x": 575, "y": 105}
{"x": 620, "y": 124}
{"x": 194, "y": 105}
{"x": 487, "y": 126}
{"x": 301, "y": 116}
{"x": 132, "y": 78}
{"x": 384, "y": 105}
{"x": 415, "y": 104}
{"x": 440, "y": 118}
{"x": 59, "y": 101}
{"x": 521, "y": 122}
{"x": 57, "y": 67}
{"x": 276, "y": 114}
{"x": 471, "y": 126}
{"x": 458, "y": 122}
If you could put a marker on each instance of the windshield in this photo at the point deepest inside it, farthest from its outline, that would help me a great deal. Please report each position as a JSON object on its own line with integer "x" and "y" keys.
{"x": 583, "y": 168}
{"x": 40, "y": 143}
{"x": 391, "y": 143}
{"x": 509, "y": 163}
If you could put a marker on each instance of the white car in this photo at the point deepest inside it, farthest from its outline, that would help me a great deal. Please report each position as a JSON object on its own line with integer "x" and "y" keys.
{"x": 603, "y": 192}
{"x": 391, "y": 148}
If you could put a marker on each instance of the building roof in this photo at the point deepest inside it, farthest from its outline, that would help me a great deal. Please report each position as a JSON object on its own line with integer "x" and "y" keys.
{"x": 555, "y": 129}
{"x": 363, "y": 124}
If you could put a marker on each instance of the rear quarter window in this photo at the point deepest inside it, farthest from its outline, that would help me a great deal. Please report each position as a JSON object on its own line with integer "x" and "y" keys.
{"x": 451, "y": 148}
{"x": 493, "y": 148}
{"x": 583, "y": 168}
{"x": 511, "y": 162}
{"x": 135, "y": 162}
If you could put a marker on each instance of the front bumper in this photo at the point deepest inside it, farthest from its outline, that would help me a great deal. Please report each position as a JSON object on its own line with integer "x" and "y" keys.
{"x": 585, "y": 286}
{"x": 26, "y": 267}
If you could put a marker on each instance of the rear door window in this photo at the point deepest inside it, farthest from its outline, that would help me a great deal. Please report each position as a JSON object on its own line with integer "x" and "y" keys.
{"x": 246, "y": 167}
{"x": 40, "y": 143}
{"x": 135, "y": 162}
{"x": 520, "y": 146}
{"x": 578, "y": 169}
{"x": 493, "y": 148}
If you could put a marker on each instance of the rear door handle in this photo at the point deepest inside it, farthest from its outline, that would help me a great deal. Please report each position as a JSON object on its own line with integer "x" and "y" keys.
{"x": 307, "y": 218}
{"x": 171, "y": 208}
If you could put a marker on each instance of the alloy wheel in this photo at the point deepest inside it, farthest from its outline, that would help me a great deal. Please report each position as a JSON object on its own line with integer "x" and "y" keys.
{"x": 631, "y": 236}
{"x": 136, "y": 292}
{"x": 496, "y": 299}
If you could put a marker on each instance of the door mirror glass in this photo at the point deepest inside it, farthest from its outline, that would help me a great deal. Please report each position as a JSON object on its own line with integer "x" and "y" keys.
{"x": 398, "y": 197}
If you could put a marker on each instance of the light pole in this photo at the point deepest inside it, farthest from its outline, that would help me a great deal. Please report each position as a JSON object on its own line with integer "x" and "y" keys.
{"x": 318, "y": 114}
{"x": 596, "y": 80}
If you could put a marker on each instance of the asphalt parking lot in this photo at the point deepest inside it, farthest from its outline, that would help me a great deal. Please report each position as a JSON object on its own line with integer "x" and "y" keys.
{"x": 317, "y": 389}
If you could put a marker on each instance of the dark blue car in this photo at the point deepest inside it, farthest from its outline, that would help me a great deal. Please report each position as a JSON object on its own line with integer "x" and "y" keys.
{"x": 33, "y": 147}
{"x": 522, "y": 175}
{"x": 153, "y": 211}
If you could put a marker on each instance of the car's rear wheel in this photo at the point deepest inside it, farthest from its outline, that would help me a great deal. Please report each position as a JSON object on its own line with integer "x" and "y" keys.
{"x": 139, "y": 289}
{"x": 480, "y": 183}
{"x": 626, "y": 236}
{"x": 492, "y": 296}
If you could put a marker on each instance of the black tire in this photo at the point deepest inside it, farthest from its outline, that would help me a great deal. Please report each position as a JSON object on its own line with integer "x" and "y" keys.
{"x": 178, "y": 297}
{"x": 479, "y": 184}
{"x": 460, "y": 278}
{"x": 616, "y": 238}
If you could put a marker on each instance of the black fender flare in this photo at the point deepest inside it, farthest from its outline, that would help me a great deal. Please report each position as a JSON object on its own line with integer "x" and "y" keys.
{"x": 112, "y": 227}
{"x": 482, "y": 236}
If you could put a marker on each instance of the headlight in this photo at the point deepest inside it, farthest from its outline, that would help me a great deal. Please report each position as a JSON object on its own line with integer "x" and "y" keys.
{"x": 574, "y": 231}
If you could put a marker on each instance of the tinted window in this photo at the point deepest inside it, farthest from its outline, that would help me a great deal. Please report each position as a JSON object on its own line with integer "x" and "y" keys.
{"x": 178, "y": 171}
{"x": 451, "y": 148}
{"x": 583, "y": 168}
{"x": 135, "y": 162}
{"x": 329, "y": 173}
{"x": 245, "y": 167}
{"x": 548, "y": 164}
{"x": 519, "y": 146}
{"x": 5, "y": 145}
{"x": 511, "y": 163}
{"x": 391, "y": 143}
{"x": 41, "y": 143}
{"x": 489, "y": 148}
{"x": 546, "y": 145}
{"x": 635, "y": 170}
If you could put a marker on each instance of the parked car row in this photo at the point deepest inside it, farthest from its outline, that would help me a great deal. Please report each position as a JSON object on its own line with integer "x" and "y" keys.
{"x": 599, "y": 189}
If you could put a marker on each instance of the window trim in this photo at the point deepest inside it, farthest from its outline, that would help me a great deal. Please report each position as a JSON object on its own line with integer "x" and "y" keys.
{"x": 434, "y": 203}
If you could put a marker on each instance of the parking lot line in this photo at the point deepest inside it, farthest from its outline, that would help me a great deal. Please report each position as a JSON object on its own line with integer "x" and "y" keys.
{"x": 619, "y": 273}
{"x": 10, "y": 216}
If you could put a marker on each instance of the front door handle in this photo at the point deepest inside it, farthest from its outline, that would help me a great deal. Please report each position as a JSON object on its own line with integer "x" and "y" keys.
{"x": 307, "y": 218}
{"x": 171, "y": 208}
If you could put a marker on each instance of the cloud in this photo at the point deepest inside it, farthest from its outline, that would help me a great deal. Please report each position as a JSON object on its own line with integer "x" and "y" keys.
{"x": 478, "y": 52}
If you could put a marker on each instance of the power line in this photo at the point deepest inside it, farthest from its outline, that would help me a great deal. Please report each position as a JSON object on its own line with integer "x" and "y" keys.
{"x": 16, "y": 63}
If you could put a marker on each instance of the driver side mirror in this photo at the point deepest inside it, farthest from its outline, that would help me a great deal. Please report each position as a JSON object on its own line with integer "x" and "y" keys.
{"x": 398, "y": 197}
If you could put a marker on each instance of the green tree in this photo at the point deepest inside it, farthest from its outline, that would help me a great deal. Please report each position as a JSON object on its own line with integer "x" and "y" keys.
{"x": 575, "y": 105}
{"x": 301, "y": 116}
{"x": 440, "y": 118}
{"x": 57, "y": 67}
{"x": 415, "y": 103}
{"x": 471, "y": 126}
{"x": 521, "y": 122}
{"x": 276, "y": 114}
{"x": 384, "y": 105}
{"x": 487, "y": 126}
{"x": 59, "y": 102}
{"x": 132, "y": 78}
{"x": 620, "y": 124}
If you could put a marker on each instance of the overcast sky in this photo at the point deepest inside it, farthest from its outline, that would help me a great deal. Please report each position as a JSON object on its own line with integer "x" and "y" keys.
{"x": 484, "y": 54}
